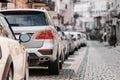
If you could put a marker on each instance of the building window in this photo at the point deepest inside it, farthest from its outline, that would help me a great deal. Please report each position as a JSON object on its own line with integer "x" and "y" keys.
{"x": 66, "y": 6}
{"x": 60, "y": 0}
{"x": 4, "y": 5}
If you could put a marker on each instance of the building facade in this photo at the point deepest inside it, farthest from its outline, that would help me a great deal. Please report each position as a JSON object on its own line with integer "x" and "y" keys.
{"x": 114, "y": 12}
{"x": 61, "y": 7}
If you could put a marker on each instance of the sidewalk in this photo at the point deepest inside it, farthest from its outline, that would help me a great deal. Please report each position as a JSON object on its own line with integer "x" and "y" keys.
{"x": 115, "y": 48}
{"x": 105, "y": 43}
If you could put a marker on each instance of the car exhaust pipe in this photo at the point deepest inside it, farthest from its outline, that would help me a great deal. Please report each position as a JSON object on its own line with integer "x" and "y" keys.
{"x": 44, "y": 59}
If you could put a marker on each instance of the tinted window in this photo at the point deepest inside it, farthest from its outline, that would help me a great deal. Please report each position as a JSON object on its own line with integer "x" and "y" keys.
{"x": 26, "y": 18}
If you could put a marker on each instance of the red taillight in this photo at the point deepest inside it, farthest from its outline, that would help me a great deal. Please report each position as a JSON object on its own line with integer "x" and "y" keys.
{"x": 47, "y": 34}
{"x": 46, "y": 51}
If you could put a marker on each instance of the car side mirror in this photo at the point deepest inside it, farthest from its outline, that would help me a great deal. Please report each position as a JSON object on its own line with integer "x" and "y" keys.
{"x": 24, "y": 37}
{"x": 63, "y": 38}
{"x": 74, "y": 39}
{"x": 58, "y": 28}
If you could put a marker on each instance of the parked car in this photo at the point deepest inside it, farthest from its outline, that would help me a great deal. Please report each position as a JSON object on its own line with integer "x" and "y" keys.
{"x": 83, "y": 39}
{"x": 64, "y": 43}
{"x": 70, "y": 42}
{"x": 44, "y": 46}
{"x": 76, "y": 39}
{"x": 13, "y": 56}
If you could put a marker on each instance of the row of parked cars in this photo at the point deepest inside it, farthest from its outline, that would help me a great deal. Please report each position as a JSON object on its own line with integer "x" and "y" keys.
{"x": 29, "y": 38}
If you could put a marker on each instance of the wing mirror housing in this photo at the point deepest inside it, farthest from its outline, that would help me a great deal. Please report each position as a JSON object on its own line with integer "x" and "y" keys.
{"x": 24, "y": 38}
{"x": 74, "y": 39}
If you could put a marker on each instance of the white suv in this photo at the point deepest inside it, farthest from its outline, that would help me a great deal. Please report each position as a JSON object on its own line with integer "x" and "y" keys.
{"x": 44, "y": 46}
{"x": 13, "y": 56}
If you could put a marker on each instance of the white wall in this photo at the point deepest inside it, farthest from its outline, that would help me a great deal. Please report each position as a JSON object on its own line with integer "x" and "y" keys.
{"x": 60, "y": 8}
{"x": 10, "y": 6}
{"x": 100, "y": 5}
{"x": 81, "y": 7}
{"x": 99, "y": 8}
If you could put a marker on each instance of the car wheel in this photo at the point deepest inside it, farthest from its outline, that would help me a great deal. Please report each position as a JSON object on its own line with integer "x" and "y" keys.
{"x": 61, "y": 61}
{"x": 62, "y": 58}
{"x": 72, "y": 52}
{"x": 54, "y": 67}
{"x": 76, "y": 49}
{"x": 10, "y": 74}
{"x": 60, "y": 65}
{"x": 85, "y": 45}
{"x": 66, "y": 56}
{"x": 26, "y": 72}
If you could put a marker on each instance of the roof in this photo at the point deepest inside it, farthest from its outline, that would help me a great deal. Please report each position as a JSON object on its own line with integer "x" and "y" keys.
{"x": 41, "y": 9}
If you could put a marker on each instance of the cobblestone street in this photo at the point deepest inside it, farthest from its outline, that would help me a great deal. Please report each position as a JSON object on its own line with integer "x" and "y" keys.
{"x": 103, "y": 63}
{"x": 94, "y": 62}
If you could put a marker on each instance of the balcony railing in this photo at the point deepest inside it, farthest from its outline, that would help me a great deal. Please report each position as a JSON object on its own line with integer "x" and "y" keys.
{"x": 48, "y": 3}
{"x": 6, "y": 1}
{"x": 36, "y": 1}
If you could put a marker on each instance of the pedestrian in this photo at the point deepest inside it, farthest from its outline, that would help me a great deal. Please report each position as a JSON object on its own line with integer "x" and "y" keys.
{"x": 112, "y": 40}
{"x": 100, "y": 37}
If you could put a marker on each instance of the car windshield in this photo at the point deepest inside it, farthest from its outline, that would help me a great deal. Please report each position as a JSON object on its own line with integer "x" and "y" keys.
{"x": 28, "y": 18}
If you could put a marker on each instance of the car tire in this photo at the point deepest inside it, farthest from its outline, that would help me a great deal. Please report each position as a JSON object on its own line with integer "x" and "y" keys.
{"x": 66, "y": 56}
{"x": 54, "y": 67}
{"x": 72, "y": 52}
{"x": 60, "y": 65}
{"x": 61, "y": 61}
{"x": 76, "y": 49}
{"x": 62, "y": 58}
{"x": 10, "y": 74}
{"x": 85, "y": 45}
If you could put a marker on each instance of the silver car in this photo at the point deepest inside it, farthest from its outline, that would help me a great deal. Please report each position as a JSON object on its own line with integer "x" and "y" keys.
{"x": 75, "y": 37}
{"x": 44, "y": 46}
{"x": 70, "y": 42}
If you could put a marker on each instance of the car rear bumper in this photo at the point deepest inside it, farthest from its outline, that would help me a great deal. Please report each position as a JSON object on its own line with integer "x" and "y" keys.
{"x": 40, "y": 56}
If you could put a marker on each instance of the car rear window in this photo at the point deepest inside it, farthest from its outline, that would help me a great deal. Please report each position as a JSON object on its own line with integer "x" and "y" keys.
{"x": 26, "y": 18}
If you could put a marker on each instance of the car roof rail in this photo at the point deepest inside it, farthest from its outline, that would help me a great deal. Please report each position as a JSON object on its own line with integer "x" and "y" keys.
{"x": 42, "y": 8}
{"x": 3, "y": 8}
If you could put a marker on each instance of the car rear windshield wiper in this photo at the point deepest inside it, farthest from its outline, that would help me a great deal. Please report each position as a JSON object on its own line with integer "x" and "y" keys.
{"x": 14, "y": 24}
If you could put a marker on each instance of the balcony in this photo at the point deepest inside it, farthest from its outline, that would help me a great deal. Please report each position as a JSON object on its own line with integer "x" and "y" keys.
{"x": 36, "y": 1}
{"x": 62, "y": 6}
{"x": 49, "y": 4}
{"x": 5, "y": 1}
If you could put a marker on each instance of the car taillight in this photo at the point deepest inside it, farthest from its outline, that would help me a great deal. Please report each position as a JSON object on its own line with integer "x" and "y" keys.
{"x": 47, "y": 34}
{"x": 46, "y": 51}
{"x": 0, "y": 53}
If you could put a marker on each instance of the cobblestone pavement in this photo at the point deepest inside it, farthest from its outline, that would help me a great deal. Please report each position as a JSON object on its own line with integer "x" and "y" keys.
{"x": 102, "y": 63}
{"x": 94, "y": 62}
